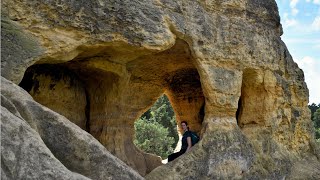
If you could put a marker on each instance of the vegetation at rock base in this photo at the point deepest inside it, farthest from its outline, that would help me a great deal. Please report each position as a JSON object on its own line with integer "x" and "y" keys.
{"x": 315, "y": 117}
{"x": 156, "y": 130}
{"x": 316, "y": 121}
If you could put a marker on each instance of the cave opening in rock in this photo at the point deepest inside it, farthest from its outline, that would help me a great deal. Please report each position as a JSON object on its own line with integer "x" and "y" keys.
{"x": 58, "y": 88}
{"x": 173, "y": 73}
{"x": 156, "y": 130}
{"x": 105, "y": 92}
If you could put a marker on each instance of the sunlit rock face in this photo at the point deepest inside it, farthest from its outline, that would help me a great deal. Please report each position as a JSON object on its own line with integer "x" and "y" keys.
{"x": 101, "y": 64}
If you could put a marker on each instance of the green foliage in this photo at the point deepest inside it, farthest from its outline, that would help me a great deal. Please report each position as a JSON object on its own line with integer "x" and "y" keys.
{"x": 316, "y": 122}
{"x": 317, "y": 134}
{"x": 315, "y": 117}
{"x": 313, "y": 108}
{"x": 156, "y": 129}
{"x": 152, "y": 137}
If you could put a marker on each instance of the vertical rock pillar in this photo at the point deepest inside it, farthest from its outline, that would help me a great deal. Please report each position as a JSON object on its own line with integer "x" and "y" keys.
{"x": 223, "y": 137}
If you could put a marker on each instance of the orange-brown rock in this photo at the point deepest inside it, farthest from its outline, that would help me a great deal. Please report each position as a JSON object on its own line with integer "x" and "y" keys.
{"x": 222, "y": 64}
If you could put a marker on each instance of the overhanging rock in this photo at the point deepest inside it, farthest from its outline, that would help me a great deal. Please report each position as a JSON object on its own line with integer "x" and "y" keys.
{"x": 101, "y": 64}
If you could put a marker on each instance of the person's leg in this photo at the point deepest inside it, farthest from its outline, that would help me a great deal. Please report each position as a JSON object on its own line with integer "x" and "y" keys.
{"x": 173, "y": 156}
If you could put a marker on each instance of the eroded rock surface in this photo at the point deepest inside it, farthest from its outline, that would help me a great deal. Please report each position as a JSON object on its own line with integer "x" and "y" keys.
{"x": 222, "y": 64}
{"x": 38, "y": 143}
{"x": 23, "y": 153}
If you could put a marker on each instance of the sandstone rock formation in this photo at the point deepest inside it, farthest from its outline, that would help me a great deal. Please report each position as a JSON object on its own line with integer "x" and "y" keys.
{"x": 37, "y": 143}
{"x": 222, "y": 64}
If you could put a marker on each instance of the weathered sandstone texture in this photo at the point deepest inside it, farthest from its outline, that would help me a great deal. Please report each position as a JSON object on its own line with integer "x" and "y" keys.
{"x": 101, "y": 64}
{"x": 37, "y": 143}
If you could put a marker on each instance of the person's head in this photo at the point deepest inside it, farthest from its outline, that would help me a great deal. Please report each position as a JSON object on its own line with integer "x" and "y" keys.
{"x": 184, "y": 125}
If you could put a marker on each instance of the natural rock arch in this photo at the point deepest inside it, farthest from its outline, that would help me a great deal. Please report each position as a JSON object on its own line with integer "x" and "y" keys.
{"x": 102, "y": 98}
{"x": 108, "y": 47}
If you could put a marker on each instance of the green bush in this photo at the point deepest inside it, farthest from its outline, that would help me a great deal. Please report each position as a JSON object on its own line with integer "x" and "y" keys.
{"x": 315, "y": 117}
{"x": 152, "y": 137}
{"x": 156, "y": 129}
{"x": 317, "y": 134}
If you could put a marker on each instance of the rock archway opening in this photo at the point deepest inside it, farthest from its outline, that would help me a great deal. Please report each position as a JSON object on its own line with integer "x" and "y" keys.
{"x": 105, "y": 97}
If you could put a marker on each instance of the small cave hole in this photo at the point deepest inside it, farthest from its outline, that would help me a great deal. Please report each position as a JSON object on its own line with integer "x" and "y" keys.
{"x": 239, "y": 112}
{"x": 251, "y": 103}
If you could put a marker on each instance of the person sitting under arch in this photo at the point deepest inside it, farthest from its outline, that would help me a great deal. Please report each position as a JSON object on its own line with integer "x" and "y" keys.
{"x": 186, "y": 142}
